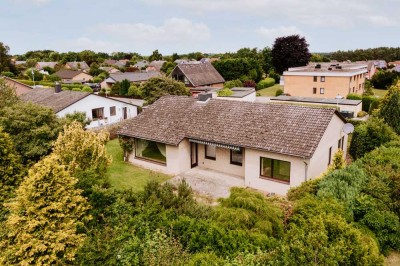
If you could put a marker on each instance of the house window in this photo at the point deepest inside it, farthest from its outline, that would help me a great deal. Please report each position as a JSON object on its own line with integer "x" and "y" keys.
{"x": 330, "y": 156}
{"x": 113, "y": 111}
{"x": 321, "y": 91}
{"x": 275, "y": 169}
{"x": 315, "y": 78}
{"x": 150, "y": 150}
{"x": 210, "y": 152}
{"x": 339, "y": 145}
{"x": 237, "y": 157}
{"x": 314, "y": 90}
{"x": 98, "y": 113}
{"x": 322, "y": 78}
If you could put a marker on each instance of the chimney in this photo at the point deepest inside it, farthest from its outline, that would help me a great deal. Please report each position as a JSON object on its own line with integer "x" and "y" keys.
{"x": 57, "y": 88}
{"x": 204, "y": 97}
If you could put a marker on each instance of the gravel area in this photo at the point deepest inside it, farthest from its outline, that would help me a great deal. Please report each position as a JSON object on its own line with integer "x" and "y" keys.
{"x": 210, "y": 183}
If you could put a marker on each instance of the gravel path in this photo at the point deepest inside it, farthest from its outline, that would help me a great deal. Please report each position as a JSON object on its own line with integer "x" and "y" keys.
{"x": 210, "y": 183}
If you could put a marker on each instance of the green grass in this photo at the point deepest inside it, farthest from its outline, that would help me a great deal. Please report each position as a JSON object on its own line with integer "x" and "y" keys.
{"x": 270, "y": 92}
{"x": 123, "y": 175}
{"x": 379, "y": 93}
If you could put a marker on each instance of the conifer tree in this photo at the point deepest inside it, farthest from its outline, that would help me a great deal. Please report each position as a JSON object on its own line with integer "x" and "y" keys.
{"x": 42, "y": 227}
{"x": 390, "y": 110}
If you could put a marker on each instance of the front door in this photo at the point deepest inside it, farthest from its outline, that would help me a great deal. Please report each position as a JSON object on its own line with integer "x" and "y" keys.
{"x": 193, "y": 154}
{"x": 125, "y": 112}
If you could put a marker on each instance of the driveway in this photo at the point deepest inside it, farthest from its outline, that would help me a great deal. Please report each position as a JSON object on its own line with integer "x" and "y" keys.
{"x": 209, "y": 183}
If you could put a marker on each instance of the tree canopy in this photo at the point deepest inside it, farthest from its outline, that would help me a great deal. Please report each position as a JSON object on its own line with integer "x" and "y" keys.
{"x": 157, "y": 87}
{"x": 290, "y": 51}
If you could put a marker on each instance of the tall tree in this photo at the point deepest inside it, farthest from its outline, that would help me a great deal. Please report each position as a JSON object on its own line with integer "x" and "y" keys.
{"x": 390, "y": 109}
{"x": 42, "y": 227}
{"x": 8, "y": 95}
{"x": 5, "y": 58}
{"x": 157, "y": 87}
{"x": 290, "y": 51}
{"x": 124, "y": 87}
{"x": 155, "y": 56}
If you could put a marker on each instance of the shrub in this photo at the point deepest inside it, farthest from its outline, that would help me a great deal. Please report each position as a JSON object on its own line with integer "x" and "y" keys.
{"x": 368, "y": 103}
{"x": 65, "y": 89}
{"x": 275, "y": 76}
{"x": 370, "y": 135}
{"x": 134, "y": 91}
{"x": 7, "y": 74}
{"x": 384, "y": 79}
{"x": 361, "y": 114}
{"x": 354, "y": 96}
{"x": 265, "y": 83}
{"x": 249, "y": 84}
{"x": 225, "y": 92}
{"x": 278, "y": 92}
{"x": 87, "y": 89}
{"x": 76, "y": 89}
{"x": 233, "y": 83}
{"x": 306, "y": 188}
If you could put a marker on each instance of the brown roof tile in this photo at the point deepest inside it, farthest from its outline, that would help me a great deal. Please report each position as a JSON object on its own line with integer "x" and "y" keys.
{"x": 286, "y": 129}
{"x": 200, "y": 74}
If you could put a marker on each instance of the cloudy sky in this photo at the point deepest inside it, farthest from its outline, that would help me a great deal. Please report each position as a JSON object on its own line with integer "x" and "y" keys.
{"x": 184, "y": 26}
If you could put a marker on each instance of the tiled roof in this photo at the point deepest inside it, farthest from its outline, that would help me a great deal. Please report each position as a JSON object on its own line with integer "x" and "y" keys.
{"x": 278, "y": 128}
{"x": 67, "y": 74}
{"x": 46, "y": 64}
{"x": 78, "y": 65}
{"x": 52, "y": 100}
{"x": 133, "y": 76}
{"x": 200, "y": 74}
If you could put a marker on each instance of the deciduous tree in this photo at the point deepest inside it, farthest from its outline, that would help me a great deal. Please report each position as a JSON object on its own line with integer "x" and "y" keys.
{"x": 390, "y": 108}
{"x": 157, "y": 87}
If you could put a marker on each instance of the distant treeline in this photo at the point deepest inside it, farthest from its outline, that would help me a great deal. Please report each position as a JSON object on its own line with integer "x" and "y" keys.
{"x": 382, "y": 53}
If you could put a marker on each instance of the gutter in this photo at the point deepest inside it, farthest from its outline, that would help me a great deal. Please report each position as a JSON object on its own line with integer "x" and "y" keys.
{"x": 305, "y": 169}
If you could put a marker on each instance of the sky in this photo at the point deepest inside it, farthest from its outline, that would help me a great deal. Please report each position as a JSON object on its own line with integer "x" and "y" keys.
{"x": 183, "y": 26}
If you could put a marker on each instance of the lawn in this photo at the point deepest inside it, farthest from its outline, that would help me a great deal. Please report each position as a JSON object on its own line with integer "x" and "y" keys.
{"x": 379, "y": 93}
{"x": 270, "y": 92}
{"x": 123, "y": 175}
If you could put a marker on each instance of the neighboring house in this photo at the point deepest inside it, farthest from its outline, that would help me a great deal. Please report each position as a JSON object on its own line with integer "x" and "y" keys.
{"x": 396, "y": 68}
{"x": 134, "y": 77}
{"x": 155, "y": 65}
{"x": 239, "y": 93}
{"x": 100, "y": 110}
{"x": 141, "y": 64}
{"x": 71, "y": 76}
{"x": 371, "y": 68}
{"x": 110, "y": 70}
{"x": 325, "y": 80}
{"x": 110, "y": 62}
{"x": 77, "y": 65}
{"x": 198, "y": 75}
{"x": 20, "y": 88}
{"x": 182, "y": 61}
{"x": 380, "y": 64}
{"x": 273, "y": 147}
{"x": 117, "y": 63}
{"x": 41, "y": 65}
{"x": 394, "y": 63}
{"x": 347, "y": 108}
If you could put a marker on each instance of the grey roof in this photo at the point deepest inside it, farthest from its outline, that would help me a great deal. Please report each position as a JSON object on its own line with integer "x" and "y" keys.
{"x": 279, "y": 128}
{"x": 52, "y": 100}
{"x": 78, "y": 65}
{"x": 132, "y": 76}
{"x": 141, "y": 64}
{"x": 200, "y": 74}
{"x": 157, "y": 64}
{"x": 46, "y": 64}
{"x": 316, "y": 100}
{"x": 240, "y": 92}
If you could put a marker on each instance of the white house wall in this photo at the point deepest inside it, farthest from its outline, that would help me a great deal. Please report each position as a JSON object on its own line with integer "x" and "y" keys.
{"x": 92, "y": 102}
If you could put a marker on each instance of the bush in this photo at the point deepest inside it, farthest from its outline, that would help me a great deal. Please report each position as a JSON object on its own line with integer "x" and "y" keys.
{"x": 370, "y": 135}
{"x": 65, "y": 89}
{"x": 134, "y": 91}
{"x": 76, "y": 89}
{"x": 87, "y": 89}
{"x": 278, "y": 92}
{"x": 53, "y": 78}
{"x": 354, "y": 96}
{"x": 384, "y": 79}
{"x": 225, "y": 92}
{"x": 265, "y": 83}
{"x": 249, "y": 84}
{"x": 369, "y": 103}
{"x": 233, "y": 83}
{"x": 7, "y": 74}
{"x": 275, "y": 76}
{"x": 361, "y": 114}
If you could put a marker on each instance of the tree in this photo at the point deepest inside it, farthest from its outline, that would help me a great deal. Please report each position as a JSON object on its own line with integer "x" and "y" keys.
{"x": 384, "y": 79}
{"x": 8, "y": 95}
{"x": 390, "y": 108}
{"x": 155, "y": 56}
{"x": 266, "y": 59}
{"x": 32, "y": 128}
{"x": 11, "y": 170}
{"x": 124, "y": 87}
{"x": 157, "y": 87}
{"x": 42, "y": 227}
{"x": 5, "y": 58}
{"x": 167, "y": 67}
{"x": 79, "y": 117}
{"x": 290, "y": 51}
{"x": 239, "y": 68}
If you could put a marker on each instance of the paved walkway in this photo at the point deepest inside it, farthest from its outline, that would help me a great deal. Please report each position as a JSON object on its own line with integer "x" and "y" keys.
{"x": 209, "y": 183}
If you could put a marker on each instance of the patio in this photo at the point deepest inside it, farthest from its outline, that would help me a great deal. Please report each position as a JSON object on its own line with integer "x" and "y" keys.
{"x": 210, "y": 183}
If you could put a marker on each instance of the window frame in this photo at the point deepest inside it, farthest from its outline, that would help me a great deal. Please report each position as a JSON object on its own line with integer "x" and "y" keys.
{"x": 322, "y": 78}
{"x": 330, "y": 156}
{"x": 98, "y": 118}
{"x": 207, "y": 156}
{"x": 236, "y": 163}
{"x": 314, "y": 90}
{"x": 321, "y": 90}
{"x": 315, "y": 78}
{"x": 147, "y": 158}
{"x": 113, "y": 112}
{"x": 272, "y": 178}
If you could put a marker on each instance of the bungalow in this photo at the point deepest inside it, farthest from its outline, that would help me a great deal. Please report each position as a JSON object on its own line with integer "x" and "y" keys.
{"x": 100, "y": 110}
{"x": 273, "y": 147}
{"x": 110, "y": 70}
{"x": 135, "y": 77}
{"x": 41, "y": 65}
{"x": 197, "y": 74}
{"x": 77, "y": 65}
{"x": 20, "y": 88}
{"x": 155, "y": 65}
{"x": 71, "y": 76}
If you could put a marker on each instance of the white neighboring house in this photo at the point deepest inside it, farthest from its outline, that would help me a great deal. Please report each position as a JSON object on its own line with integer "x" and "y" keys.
{"x": 100, "y": 110}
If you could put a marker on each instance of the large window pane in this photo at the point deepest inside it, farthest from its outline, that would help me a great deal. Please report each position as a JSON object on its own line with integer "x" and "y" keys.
{"x": 275, "y": 169}
{"x": 150, "y": 150}
{"x": 236, "y": 157}
{"x": 210, "y": 152}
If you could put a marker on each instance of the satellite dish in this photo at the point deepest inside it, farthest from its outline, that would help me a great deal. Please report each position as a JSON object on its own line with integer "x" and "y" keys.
{"x": 348, "y": 128}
